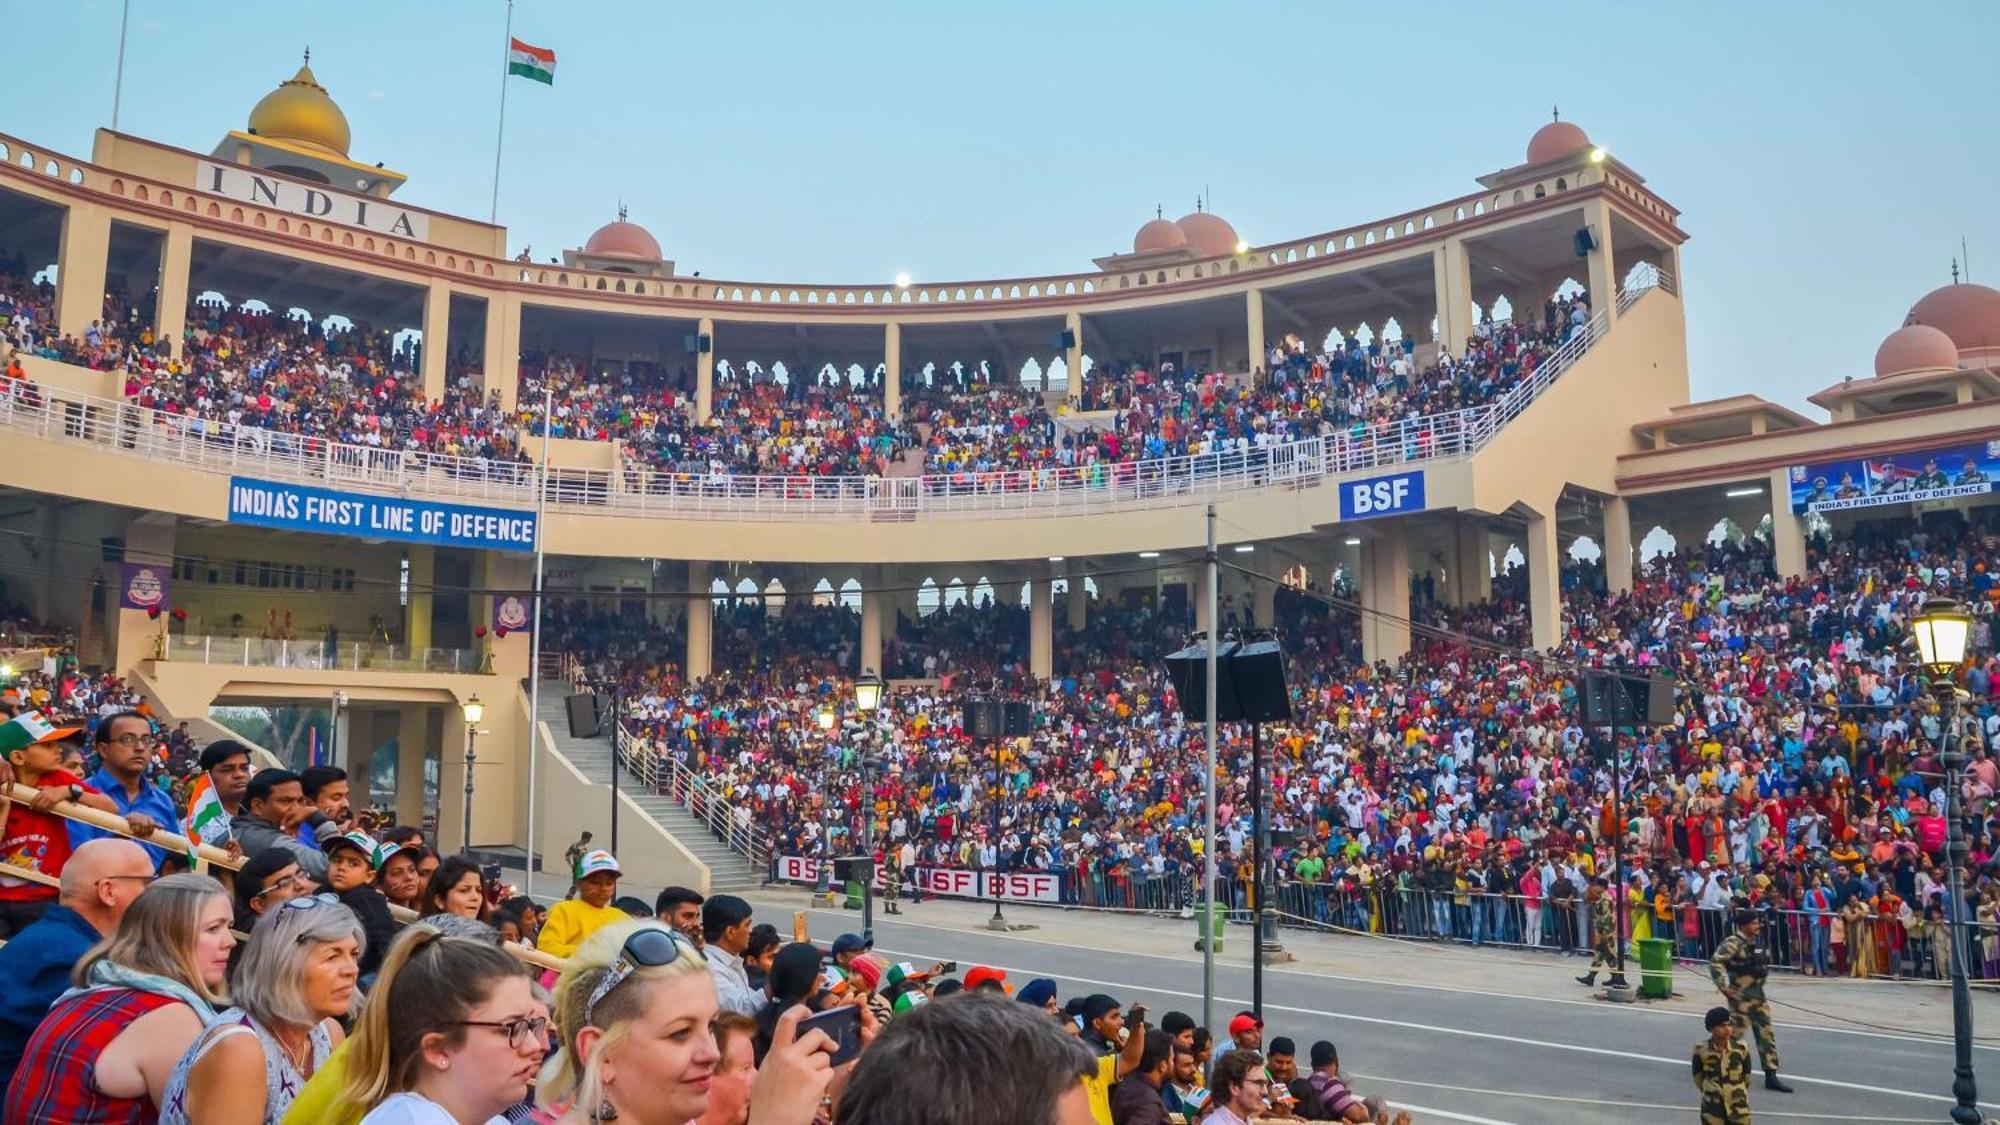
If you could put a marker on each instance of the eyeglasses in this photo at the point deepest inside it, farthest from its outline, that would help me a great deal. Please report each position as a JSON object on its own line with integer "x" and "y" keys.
{"x": 131, "y": 739}
{"x": 295, "y": 879}
{"x": 146, "y": 879}
{"x": 535, "y": 1029}
{"x": 648, "y": 948}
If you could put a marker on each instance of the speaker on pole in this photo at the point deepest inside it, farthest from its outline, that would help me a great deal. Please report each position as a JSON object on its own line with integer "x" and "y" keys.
{"x": 1584, "y": 241}
{"x": 586, "y": 714}
{"x": 1249, "y": 682}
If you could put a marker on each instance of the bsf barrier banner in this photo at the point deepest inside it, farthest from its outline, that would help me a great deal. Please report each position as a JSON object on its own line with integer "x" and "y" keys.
{"x": 947, "y": 882}
{"x": 299, "y": 507}
{"x": 1971, "y": 469}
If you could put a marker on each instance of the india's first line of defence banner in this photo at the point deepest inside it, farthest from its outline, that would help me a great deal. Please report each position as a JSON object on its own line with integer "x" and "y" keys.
{"x": 300, "y": 507}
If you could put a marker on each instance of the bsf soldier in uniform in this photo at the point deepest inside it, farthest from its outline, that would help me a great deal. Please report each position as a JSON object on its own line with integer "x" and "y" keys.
{"x": 1738, "y": 970}
{"x": 1722, "y": 1072}
{"x": 892, "y": 876}
{"x": 1603, "y": 932}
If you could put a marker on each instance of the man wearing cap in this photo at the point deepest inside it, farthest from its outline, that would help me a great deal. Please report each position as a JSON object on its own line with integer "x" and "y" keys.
{"x": 1118, "y": 1048}
{"x": 124, "y": 745}
{"x": 573, "y": 919}
{"x": 847, "y": 947}
{"x": 1722, "y": 1072}
{"x": 351, "y": 863}
{"x": 1738, "y": 970}
{"x": 1246, "y": 1031}
{"x": 33, "y": 837}
{"x": 1603, "y": 932}
{"x": 227, "y": 764}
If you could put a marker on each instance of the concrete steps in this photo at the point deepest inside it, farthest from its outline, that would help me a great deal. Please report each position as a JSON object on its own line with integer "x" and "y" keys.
{"x": 727, "y": 871}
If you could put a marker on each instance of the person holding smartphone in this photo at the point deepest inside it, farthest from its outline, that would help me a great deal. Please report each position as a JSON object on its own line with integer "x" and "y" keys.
{"x": 1118, "y": 1044}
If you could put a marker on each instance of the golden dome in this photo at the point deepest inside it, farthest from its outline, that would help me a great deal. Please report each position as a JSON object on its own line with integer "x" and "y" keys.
{"x": 300, "y": 111}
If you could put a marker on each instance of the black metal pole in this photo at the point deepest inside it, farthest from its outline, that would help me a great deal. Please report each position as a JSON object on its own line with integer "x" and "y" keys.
{"x": 617, "y": 732}
{"x": 998, "y": 922}
{"x": 471, "y": 738}
{"x": 867, "y": 805}
{"x": 1257, "y": 906}
{"x": 1618, "y": 864}
{"x": 1964, "y": 1087}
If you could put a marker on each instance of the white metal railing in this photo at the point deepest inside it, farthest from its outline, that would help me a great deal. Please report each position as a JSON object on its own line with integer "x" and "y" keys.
{"x": 223, "y": 447}
{"x": 353, "y": 656}
{"x": 668, "y": 776}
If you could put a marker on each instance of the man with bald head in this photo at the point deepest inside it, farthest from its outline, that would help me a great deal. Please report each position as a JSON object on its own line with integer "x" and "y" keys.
{"x": 100, "y": 880}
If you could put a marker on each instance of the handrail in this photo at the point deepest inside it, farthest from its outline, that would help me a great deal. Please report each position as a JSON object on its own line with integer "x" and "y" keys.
{"x": 696, "y": 794}
{"x": 223, "y": 447}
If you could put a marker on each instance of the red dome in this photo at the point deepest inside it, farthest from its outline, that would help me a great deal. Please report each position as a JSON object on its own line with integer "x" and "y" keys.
{"x": 1556, "y": 140}
{"x": 1208, "y": 233}
{"x": 623, "y": 240}
{"x": 1916, "y": 347}
{"x": 1157, "y": 235}
{"x": 1968, "y": 313}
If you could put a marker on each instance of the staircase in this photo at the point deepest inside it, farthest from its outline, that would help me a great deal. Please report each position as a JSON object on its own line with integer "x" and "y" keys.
{"x": 728, "y": 870}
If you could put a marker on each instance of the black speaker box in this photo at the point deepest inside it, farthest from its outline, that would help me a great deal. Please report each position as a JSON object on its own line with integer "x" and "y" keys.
{"x": 1016, "y": 721}
{"x": 1585, "y": 242}
{"x": 586, "y": 715}
{"x": 1258, "y": 667}
{"x": 1188, "y": 669}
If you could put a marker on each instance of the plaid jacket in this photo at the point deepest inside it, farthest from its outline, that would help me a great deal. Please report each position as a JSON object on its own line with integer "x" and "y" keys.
{"x": 56, "y": 1080}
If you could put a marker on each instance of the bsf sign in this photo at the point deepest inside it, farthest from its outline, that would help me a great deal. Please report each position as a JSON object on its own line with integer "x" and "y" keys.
{"x": 947, "y": 882}
{"x": 1382, "y": 496}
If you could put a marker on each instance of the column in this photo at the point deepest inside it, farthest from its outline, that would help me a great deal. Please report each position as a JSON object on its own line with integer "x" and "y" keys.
{"x": 1452, "y": 281}
{"x": 1385, "y": 595}
{"x": 704, "y": 372}
{"x": 47, "y": 527}
{"x": 149, "y": 538}
{"x": 80, "y": 265}
{"x": 701, "y": 621}
{"x": 1472, "y": 572}
{"x": 417, "y": 609}
{"x": 872, "y": 599}
{"x": 437, "y": 338}
{"x": 1202, "y": 623}
{"x": 506, "y": 656}
{"x": 1617, "y": 545}
{"x": 1788, "y": 530}
{"x": 176, "y": 261}
{"x": 1544, "y": 552}
{"x": 892, "y": 370}
{"x": 1253, "y": 314}
{"x": 1073, "y": 355}
{"x": 1041, "y": 622}
{"x": 1078, "y": 609}
{"x": 500, "y": 361}
{"x": 1603, "y": 280}
{"x": 1264, "y": 591}
{"x": 413, "y": 743}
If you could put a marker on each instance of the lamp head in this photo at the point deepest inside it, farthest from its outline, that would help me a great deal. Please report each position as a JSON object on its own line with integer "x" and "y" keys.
{"x": 474, "y": 710}
{"x": 1942, "y": 629}
{"x": 825, "y": 718}
{"x": 868, "y": 693}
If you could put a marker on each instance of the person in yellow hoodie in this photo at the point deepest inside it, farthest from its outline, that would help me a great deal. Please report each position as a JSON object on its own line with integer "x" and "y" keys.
{"x": 573, "y": 919}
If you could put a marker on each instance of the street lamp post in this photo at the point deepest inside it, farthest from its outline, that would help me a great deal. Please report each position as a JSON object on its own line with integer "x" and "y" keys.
{"x": 824, "y": 717}
{"x": 1942, "y": 630}
{"x": 339, "y": 700}
{"x": 474, "y": 711}
{"x": 867, "y": 698}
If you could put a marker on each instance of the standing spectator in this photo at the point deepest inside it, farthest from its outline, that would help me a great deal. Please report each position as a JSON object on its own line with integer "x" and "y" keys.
{"x": 725, "y": 930}
{"x": 1246, "y": 1031}
{"x": 226, "y": 762}
{"x": 350, "y": 876}
{"x": 944, "y": 1061}
{"x": 100, "y": 880}
{"x": 1116, "y": 1047}
{"x": 634, "y": 1007}
{"x": 296, "y": 980}
{"x": 574, "y": 919}
{"x": 1184, "y": 1093}
{"x": 274, "y": 808}
{"x": 326, "y": 790}
{"x": 104, "y": 1053}
{"x": 124, "y": 746}
{"x": 1137, "y": 1098}
{"x": 680, "y": 907}
{"x": 456, "y": 887}
{"x": 33, "y": 837}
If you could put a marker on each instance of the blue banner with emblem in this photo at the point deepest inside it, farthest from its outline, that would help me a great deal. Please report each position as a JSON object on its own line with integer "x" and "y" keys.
{"x": 299, "y": 507}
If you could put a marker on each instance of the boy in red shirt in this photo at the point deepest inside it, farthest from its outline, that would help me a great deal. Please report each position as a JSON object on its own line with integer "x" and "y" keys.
{"x": 33, "y": 838}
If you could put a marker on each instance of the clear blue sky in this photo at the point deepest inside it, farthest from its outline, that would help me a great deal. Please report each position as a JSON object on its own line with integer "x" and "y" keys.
{"x": 1826, "y": 157}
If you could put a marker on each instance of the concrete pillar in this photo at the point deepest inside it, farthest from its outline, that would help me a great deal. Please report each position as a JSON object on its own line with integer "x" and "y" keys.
{"x": 413, "y": 743}
{"x": 176, "y": 260}
{"x": 80, "y": 264}
{"x": 1603, "y": 279}
{"x": 46, "y": 526}
{"x": 1253, "y": 315}
{"x": 1078, "y": 608}
{"x": 872, "y": 613}
{"x": 500, "y": 363}
{"x": 437, "y": 338}
{"x": 503, "y": 571}
{"x": 1452, "y": 282}
{"x": 1617, "y": 544}
{"x": 1544, "y": 552}
{"x": 417, "y": 610}
{"x": 892, "y": 373}
{"x": 704, "y": 374}
{"x": 701, "y": 621}
{"x": 1073, "y": 355}
{"x": 1471, "y": 572}
{"x": 1385, "y": 595}
{"x": 1041, "y": 623}
{"x": 1788, "y": 531}
{"x": 149, "y": 538}
{"x": 1264, "y": 591}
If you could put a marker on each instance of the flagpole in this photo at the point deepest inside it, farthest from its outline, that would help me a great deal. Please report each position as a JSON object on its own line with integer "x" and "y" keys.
{"x": 500, "y": 135}
{"x": 118, "y": 81}
{"x": 535, "y": 643}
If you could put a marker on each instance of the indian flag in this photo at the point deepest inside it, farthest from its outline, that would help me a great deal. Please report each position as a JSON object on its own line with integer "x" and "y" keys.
{"x": 538, "y": 63}
{"x": 204, "y": 808}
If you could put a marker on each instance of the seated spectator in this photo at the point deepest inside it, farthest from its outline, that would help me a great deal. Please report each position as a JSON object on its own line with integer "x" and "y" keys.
{"x": 99, "y": 882}
{"x": 947, "y": 1060}
{"x": 105, "y": 1053}
{"x": 274, "y": 807}
{"x": 735, "y": 1071}
{"x": 265, "y": 880}
{"x": 573, "y": 919}
{"x": 634, "y": 1008}
{"x": 1239, "y": 1087}
{"x": 297, "y": 980}
{"x": 32, "y": 837}
{"x": 1137, "y": 1098}
{"x": 350, "y": 878}
{"x": 456, "y": 888}
{"x": 1322, "y": 1095}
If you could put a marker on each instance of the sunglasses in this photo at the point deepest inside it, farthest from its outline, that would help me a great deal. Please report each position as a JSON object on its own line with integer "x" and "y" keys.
{"x": 307, "y": 902}
{"x": 648, "y": 948}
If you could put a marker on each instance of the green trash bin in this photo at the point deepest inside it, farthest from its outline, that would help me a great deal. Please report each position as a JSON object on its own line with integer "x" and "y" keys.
{"x": 1656, "y": 968}
{"x": 854, "y": 894}
{"x": 1208, "y": 924}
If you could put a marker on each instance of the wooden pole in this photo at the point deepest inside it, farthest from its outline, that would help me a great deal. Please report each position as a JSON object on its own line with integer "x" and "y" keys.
{"x": 30, "y": 875}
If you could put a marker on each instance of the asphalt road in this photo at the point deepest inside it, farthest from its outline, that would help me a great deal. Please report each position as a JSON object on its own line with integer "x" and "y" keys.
{"x": 1455, "y": 1052}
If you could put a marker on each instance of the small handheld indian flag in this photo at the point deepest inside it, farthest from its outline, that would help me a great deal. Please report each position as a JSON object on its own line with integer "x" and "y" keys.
{"x": 538, "y": 63}
{"x": 204, "y": 809}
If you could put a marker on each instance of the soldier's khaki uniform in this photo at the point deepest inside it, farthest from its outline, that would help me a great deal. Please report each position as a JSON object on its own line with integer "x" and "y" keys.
{"x": 1722, "y": 1074}
{"x": 1603, "y": 933}
{"x": 1740, "y": 965}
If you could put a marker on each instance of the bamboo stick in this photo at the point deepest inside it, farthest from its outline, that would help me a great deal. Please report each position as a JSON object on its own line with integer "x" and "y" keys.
{"x": 163, "y": 836}
{"x": 30, "y": 875}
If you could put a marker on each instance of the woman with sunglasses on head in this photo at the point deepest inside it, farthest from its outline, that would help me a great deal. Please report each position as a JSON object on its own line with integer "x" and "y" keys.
{"x": 106, "y": 1050}
{"x": 456, "y": 887}
{"x": 450, "y": 1034}
{"x": 635, "y": 1007}
{"x": 296, "y": 980}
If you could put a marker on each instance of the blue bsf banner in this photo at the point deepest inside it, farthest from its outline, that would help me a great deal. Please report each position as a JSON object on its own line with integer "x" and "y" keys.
{"x": 298, "y": 507}
{"x": 1392, "y": 495}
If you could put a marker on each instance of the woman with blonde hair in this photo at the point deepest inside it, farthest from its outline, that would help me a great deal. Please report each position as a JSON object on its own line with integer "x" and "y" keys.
{"x": 107, "y": 1049}
{"x": 636, "y": 1007}
{"x": 450, "y": 1034}
{"x": 296, "y": 980}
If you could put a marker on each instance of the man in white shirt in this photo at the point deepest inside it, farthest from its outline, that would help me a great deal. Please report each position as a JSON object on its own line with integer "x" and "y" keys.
{"x": 725, "y": 931}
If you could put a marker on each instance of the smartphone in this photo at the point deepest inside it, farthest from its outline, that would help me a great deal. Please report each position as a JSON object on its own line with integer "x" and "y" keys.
{"x": 842, "y": 1025}
{"x": 1136, "y": 1016}
{"x": 945, "y": 967}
